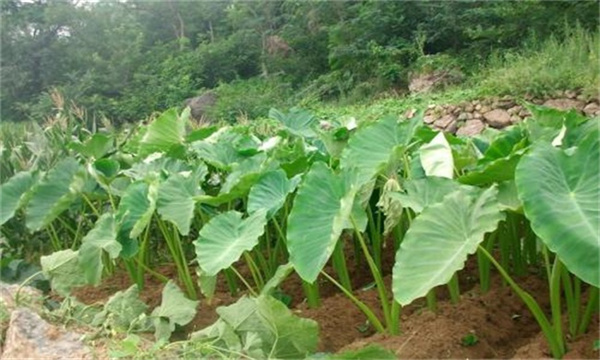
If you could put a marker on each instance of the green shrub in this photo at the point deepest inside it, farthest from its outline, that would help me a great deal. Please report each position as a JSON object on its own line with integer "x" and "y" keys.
{"x": 250, "y": 99}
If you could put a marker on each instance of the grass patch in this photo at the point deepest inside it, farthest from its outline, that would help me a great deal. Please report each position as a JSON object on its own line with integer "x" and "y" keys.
{"x": 540, "y": 68}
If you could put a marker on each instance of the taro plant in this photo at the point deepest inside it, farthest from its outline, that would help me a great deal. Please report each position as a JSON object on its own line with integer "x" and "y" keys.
{"x": 329, "y": 202}
{"x": 555, "y": 180}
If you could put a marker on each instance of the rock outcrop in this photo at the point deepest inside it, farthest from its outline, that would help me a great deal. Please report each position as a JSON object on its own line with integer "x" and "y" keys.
{"x": 422, "y": 83}
{"x": 25, "y": 335}
{"x": 199, "y": 106}
{"x": 30, "y": 337}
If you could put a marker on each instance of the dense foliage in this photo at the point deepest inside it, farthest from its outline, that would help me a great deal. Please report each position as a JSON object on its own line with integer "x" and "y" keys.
{"x": 125, "y": 59}
{"x": 210, "y": 199}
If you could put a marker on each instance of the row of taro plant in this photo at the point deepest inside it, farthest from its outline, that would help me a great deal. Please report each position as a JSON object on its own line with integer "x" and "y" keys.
{"x": 528, "y": 193}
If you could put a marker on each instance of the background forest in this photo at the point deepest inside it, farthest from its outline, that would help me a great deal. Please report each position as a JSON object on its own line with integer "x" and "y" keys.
{"x": 125, "y": 59}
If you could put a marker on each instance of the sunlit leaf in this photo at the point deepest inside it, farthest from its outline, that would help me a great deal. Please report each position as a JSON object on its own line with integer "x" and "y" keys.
{"x": 375, "y": 147}
{"x": 164, "y": 132}
{"x": 560, "y": 191}
{"x": 271, "y": 191}
{"x": 176, "y": 198}
{"x": 436, "y": 157}
{"x": 440, "y": 239}
{"x": 225, "y": 238}
{"x": 322, "y": 210}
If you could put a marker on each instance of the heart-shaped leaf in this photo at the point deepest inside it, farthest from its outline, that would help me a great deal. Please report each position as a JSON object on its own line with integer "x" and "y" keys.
{"x": 101, "y": 239}
{"x": 225, "y": 238}
{"x": 321, "y": 211}
{"x": 560, "y": 191}
{"x": 11, "y": 193}
{"x": 54, "y": 193}
{"x": 440, "y": 239}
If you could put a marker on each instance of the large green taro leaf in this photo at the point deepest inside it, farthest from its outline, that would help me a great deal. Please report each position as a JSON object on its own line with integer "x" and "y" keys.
{"x": 505, "y": 143}
{"x": 156, "y": 166}
{"x": 499, "y": 159}
{"x": 264, "y": 328}
{"x": 54, "y": 193}
{"x": 219, "y": 149}
{"x": 11, "y": 194}
{"x": 174, "y": 309}
{"x": 297, "y": 122}
{"x": 374, "y": 147}
{"x": 225, "y": 238}
{"x": 270, "y": 192}
{"x": 176, "y": 198}
{"x": 134, "y": 214}
{"x": 322, "y": 210}
{"x": 493, "y": 172}
{"x": 436, "y": 157}
{"x": 560, "y": 191}
{"x": 122, "y": 309}
{"x": 95, "y": 147}
{"x": 440, "y": 239}
{"x": 164, "y": 132}
{"x": 418, "y": 194}
{"x": 239, "y": 182}
{"x": 101, "y": 239}
{"x": 63, "y": 270}
{"x": 247, "y": 171}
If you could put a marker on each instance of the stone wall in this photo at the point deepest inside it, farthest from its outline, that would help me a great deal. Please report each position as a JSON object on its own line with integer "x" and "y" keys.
{"x": 471, "y": 117}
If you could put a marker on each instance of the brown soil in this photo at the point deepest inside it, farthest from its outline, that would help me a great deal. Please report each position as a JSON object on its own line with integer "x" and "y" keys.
{"x": 498, "y": 319}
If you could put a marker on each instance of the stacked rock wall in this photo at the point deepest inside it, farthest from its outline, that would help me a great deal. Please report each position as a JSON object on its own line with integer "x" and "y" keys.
{"x": 471, "y": 117}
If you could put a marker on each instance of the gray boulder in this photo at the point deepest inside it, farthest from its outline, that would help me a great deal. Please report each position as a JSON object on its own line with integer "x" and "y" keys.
{"x": 423, "y": 83}
{"x": 471, "y": 128}
{"x": 30, "y": 337}
{"x": 199, "y": 105}
{"x": 497, "y": 118}
{"x": 565, "y": 104}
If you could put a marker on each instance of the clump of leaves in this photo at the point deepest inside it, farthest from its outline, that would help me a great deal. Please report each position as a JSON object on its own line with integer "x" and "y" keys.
{"x": 175, "y": 309}
{"x": 260, "y": 327}
{"x": 469, "y": 340}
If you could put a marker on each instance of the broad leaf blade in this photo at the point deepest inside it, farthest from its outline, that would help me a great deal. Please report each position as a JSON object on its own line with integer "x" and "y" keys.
{"x": 436, "y": 157}
{"x": 440, "y": 239}
{"x": 102, "y": 238}
{"x": 560, "y": 193}
{"x": 276, "y": 331}
{"x": 134, "y": 214}
{"x": 420, "y": 193}
{"x": 372, "y": 148}
{"x": 176, "y": 198}
{"x": 499, "y": 159}
{"x": 174, "y": 309}
{"x": 320, "y": 213}
{"x": 270, "y": 192}
{"x": 218, "y": 149}
{"x": 164, "y": 132}
{"x": 95, "y": 147}
{"x": 63, "y": 270}
{"x": 225, "y": 238}
{"x": 54, "y": 194}
{"x": 11, "y": 193}
{"x": 122, "y": 309}
{"x": 298, "y": 122}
